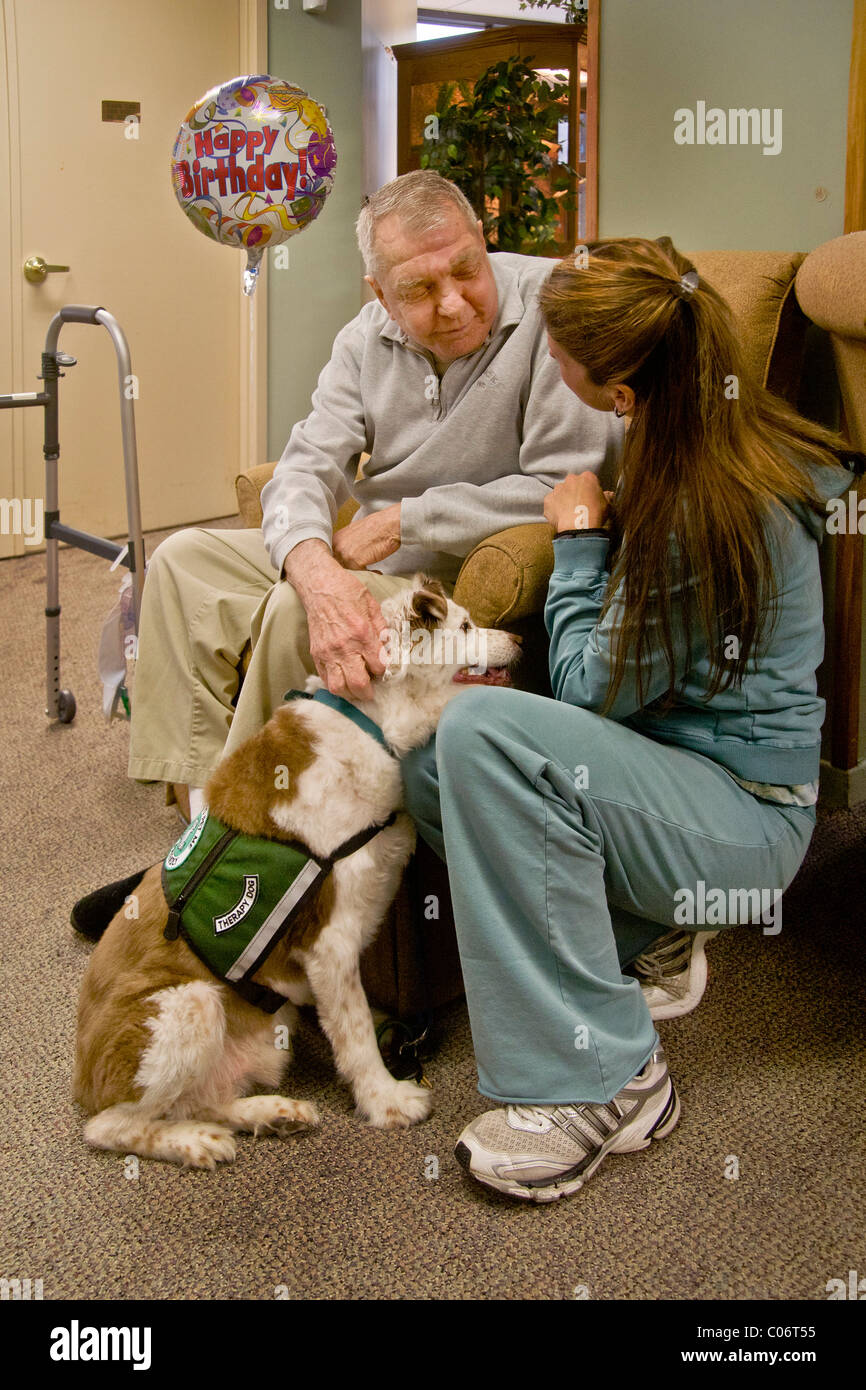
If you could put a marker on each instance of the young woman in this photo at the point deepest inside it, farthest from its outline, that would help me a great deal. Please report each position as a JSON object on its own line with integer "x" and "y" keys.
{"x": 677, "y": 765}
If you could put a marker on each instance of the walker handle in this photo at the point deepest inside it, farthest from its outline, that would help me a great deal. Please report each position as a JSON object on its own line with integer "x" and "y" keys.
{"x": 80, "y": 313}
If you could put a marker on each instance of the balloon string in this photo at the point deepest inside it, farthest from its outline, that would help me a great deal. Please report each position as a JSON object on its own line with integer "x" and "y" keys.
{"x": 252, "y": 385}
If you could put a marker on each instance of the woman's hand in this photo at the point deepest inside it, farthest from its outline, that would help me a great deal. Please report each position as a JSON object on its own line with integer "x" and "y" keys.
{"x": 578, "y": 503}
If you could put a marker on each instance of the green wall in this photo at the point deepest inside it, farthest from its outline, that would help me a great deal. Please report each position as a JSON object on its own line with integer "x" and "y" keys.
{"x": 661, "y": 55}
{"x": 656, "y": 56}
{"x": 311, "y": 300}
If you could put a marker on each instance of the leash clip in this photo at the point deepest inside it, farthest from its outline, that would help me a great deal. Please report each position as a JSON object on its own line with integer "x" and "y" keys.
{"x": 401, "y": 1058}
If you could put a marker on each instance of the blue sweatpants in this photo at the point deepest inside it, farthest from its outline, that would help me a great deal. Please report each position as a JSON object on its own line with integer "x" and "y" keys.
{"x": 567, "y": 837}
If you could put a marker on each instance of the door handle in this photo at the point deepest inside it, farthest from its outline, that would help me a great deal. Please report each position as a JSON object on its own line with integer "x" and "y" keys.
{"x": 35, "y": 269}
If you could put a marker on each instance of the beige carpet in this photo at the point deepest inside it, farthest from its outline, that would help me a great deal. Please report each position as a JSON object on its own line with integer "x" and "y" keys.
{"x": 770, "y": 1070}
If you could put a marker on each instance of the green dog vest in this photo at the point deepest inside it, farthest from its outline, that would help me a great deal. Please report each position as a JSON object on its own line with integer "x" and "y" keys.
{"x": 233, "y": 897}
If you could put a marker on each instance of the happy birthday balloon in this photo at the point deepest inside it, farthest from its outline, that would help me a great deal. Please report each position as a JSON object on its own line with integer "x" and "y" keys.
{"x": 253, "y": 164}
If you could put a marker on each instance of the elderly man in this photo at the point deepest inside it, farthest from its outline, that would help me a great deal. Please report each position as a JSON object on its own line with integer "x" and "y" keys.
{"x": 445, "y": 381}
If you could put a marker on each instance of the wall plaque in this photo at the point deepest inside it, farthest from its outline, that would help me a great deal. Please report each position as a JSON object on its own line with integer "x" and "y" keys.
{"x": 119, "y": 110}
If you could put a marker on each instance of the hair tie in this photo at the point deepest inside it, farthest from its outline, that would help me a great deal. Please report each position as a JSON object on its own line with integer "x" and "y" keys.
{"x": 686, "y": 286}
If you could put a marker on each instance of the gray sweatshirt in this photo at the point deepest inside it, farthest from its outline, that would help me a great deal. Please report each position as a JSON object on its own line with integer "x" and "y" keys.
{"x": 467, "y": 453}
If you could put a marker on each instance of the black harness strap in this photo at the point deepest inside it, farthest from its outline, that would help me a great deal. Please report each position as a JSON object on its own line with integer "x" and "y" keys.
{"x": 358, "y": 841}
{"x": 346, "y": 848}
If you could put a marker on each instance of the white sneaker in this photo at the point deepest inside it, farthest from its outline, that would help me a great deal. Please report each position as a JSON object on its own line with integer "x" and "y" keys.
{"x": 673, "y": 973}
{"x": 542, "y": 1152}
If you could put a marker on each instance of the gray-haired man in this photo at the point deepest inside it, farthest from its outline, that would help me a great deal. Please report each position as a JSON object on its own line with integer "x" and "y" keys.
{"x": 445, "y": 380}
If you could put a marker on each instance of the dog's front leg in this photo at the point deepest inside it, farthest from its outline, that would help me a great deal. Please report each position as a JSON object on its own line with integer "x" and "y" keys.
{"x": 333, "y": 972}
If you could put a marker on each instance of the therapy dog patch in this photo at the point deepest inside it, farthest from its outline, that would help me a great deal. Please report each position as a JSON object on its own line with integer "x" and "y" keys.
{"x": 231, "y": 896}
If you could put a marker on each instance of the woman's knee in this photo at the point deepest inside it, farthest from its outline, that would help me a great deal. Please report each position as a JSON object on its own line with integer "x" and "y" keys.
{"x": 485, "y": 712}
{"x": 471, "y": 714}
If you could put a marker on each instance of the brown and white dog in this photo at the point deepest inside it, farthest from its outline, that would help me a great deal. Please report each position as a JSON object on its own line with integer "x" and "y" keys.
{"x": 166, "y": 1053}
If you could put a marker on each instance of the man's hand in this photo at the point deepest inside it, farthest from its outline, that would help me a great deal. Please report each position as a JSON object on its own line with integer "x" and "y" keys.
{"x": 345, "y": 622}
{"x": 578, "y": 503}
{"x": 362, "y": 543}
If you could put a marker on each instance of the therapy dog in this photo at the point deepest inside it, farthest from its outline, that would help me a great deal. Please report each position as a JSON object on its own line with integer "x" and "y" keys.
{"x": 176, "y": 1024}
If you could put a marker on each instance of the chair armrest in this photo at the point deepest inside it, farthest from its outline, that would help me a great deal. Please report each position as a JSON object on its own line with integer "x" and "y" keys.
{"x": 248, "y": 490}
{"x": 502, "y": 580}
{"x": 505, "y": 577}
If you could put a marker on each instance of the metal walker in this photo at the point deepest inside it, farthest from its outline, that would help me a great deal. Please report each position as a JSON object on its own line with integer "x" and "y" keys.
{"x": 60, "y": 704}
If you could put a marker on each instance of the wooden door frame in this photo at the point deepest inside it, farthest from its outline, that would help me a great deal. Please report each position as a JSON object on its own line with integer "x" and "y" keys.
{"x": 23, "y": 373}
{"x": 855, "y": 163}
{"x": 848, "y": 597}
{"x": 253, "y": 320}
{"x": 593, "y": 78}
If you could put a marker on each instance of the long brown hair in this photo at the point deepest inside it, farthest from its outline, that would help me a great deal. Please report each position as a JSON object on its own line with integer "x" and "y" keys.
{"x": 708, "y": 453}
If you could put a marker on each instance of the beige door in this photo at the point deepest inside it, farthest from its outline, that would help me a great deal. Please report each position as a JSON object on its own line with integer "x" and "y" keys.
{"x": 83, "y": 193}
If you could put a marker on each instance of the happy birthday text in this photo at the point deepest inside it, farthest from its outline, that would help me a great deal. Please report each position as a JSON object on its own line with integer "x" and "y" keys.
{"x": 224, "y": 147}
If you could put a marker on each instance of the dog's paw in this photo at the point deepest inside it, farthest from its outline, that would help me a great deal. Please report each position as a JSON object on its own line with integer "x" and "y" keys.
{"x": 205, "y": 1147}
{"x": 278, "y": 1115}
{"x": 397, "y": 1106}
{"x": 298, "y": 1114}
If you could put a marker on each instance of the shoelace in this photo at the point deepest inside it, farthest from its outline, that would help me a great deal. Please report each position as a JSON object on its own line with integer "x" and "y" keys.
{"x": 534, "y": 1115}
{"x": 668, "y": 957}
{"x": 539, "y": 1117}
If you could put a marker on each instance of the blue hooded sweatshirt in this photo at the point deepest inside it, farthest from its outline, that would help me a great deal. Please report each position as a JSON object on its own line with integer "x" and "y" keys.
{"x": 767, "y": 730}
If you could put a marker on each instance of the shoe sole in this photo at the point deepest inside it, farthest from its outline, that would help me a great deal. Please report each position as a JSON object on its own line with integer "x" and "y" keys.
{"x": 567, "y": 1187}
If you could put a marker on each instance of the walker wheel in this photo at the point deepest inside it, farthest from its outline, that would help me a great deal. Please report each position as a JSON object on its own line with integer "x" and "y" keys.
{"x": 66, "y": 707}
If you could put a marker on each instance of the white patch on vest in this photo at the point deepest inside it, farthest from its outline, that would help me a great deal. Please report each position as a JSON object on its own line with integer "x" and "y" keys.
{"x": 241, "y": 908}
{"x": 187, "y": 842}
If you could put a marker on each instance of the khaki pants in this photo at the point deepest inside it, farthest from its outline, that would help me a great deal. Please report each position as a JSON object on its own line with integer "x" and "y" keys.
{"x": 207, "y": 595}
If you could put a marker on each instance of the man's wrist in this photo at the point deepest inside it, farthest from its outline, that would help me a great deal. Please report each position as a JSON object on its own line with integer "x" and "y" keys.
{"x": 305, "y": 560}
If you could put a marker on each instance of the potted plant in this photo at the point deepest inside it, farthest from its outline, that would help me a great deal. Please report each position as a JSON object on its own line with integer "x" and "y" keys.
{"x": 494, "y": 141}
{"x": 575, "y": 11}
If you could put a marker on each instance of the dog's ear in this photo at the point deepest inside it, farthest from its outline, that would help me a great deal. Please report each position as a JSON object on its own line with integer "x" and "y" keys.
{"x": 429, "y": 602}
